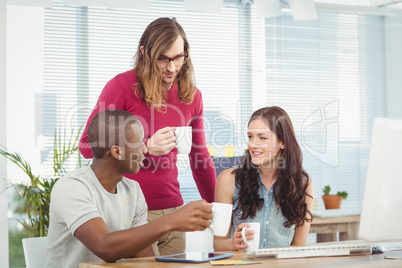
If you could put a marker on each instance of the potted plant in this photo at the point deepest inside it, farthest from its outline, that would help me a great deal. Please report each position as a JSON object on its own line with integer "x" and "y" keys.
{"x": 332, "y": 201}
{"x": 35, "y": 194}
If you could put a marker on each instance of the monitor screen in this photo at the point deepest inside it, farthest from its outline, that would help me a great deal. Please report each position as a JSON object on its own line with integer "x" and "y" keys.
{"x": 381, "y": 217}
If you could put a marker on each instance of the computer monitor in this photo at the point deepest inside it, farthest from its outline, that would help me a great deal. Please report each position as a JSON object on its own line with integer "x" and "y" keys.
{"x": 381, "y": 216}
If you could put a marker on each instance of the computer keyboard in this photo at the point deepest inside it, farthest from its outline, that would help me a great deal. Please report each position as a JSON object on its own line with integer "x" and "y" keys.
{"x": 342, "y": 248}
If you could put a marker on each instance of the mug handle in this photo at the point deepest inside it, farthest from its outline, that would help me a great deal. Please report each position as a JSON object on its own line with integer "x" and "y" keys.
{"x": 210, "y": 226}
{"x": 243, "y": 235}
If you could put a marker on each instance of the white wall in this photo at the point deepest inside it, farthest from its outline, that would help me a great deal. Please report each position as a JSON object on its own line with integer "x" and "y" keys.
{"x": 21, "y": 77}
{"x": 3, "y": 136}
{"x": 25, "y": 33}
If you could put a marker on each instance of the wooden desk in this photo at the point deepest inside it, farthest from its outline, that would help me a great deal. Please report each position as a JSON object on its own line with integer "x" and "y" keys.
{"x": 326, "y": 228}
{"x": 366, "y": 261}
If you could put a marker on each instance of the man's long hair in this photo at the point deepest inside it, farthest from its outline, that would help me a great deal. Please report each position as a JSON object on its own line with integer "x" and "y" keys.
{"x": 157, "y": 37}
{"x": 292, "y": 180}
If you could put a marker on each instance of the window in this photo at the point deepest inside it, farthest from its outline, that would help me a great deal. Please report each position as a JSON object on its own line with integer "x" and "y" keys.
{"x": 328, "y": 75}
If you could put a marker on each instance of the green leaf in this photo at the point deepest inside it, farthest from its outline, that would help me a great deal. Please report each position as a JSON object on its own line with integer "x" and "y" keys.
{"x": 34, "y": 196}
{"x": 343, "y": 194}
{"x": 326, "y": 190}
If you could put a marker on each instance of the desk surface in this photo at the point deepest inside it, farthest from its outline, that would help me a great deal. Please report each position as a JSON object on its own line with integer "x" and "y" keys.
{"x": 341, "y": 219}
{"x": 366, "y": 261}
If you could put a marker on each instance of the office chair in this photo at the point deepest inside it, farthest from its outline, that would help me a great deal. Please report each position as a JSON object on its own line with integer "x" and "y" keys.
{"x": 34, "y": 251}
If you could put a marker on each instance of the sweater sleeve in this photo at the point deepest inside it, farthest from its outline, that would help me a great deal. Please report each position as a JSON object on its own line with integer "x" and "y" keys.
{"x": 110, "y": 98}
{"x": 200, "y": 160}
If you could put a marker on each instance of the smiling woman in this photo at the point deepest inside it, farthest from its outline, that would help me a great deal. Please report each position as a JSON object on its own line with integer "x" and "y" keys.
{"x": 263, "y": 145}
{"x": 270, "y": 176}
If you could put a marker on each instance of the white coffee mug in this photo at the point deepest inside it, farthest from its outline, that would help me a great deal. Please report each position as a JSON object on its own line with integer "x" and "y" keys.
{"x": 254, "y": 243}
{"x": 221, "y": 216}
{"x": 183, "y": 139}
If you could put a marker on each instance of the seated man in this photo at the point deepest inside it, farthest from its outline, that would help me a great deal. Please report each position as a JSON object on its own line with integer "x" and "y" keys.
{"x": 96, "y": 213}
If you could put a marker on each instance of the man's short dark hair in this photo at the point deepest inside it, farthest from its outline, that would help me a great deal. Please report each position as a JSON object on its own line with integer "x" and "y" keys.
{"x": 108, "y": 128}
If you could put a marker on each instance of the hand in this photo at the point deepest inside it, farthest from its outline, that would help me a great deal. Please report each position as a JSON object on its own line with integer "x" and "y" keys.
{"x": 194, "y": 216}
{"x": 162, "y": 142}
{"x": 237, "y": 239}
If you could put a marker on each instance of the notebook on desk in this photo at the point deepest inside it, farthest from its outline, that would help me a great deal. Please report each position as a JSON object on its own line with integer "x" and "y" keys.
{"x": 381, "y": 215}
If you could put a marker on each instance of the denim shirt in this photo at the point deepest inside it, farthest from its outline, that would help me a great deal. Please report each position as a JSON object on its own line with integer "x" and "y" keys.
{"x": 272, "y": 231}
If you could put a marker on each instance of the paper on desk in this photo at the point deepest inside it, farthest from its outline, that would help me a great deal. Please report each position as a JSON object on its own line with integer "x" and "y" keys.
{"x": 232, "y": 262}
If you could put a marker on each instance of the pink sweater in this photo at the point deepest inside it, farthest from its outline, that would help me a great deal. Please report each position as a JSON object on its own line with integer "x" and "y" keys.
{"x": 158, "y": 177}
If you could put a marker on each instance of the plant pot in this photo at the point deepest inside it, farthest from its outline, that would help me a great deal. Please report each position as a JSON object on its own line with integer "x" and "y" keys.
{"x": 332, "y": 201}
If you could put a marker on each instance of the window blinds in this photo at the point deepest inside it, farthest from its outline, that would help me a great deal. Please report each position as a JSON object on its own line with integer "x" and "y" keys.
{"x": 328, "y": 75}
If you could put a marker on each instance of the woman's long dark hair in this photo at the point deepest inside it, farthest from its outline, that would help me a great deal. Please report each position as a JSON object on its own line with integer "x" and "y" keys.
{"x": 292, "y": 180}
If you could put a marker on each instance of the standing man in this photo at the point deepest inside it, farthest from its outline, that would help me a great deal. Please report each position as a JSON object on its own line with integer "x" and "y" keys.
{"x": 160, "y": 91}
{"x": 96, "y": 213}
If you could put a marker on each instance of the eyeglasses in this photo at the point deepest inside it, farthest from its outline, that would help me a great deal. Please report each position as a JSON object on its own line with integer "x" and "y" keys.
{"x": 179, "y": 60}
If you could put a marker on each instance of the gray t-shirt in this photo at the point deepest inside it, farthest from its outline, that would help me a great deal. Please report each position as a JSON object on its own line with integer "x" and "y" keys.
{"x": 79, "y": 197}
